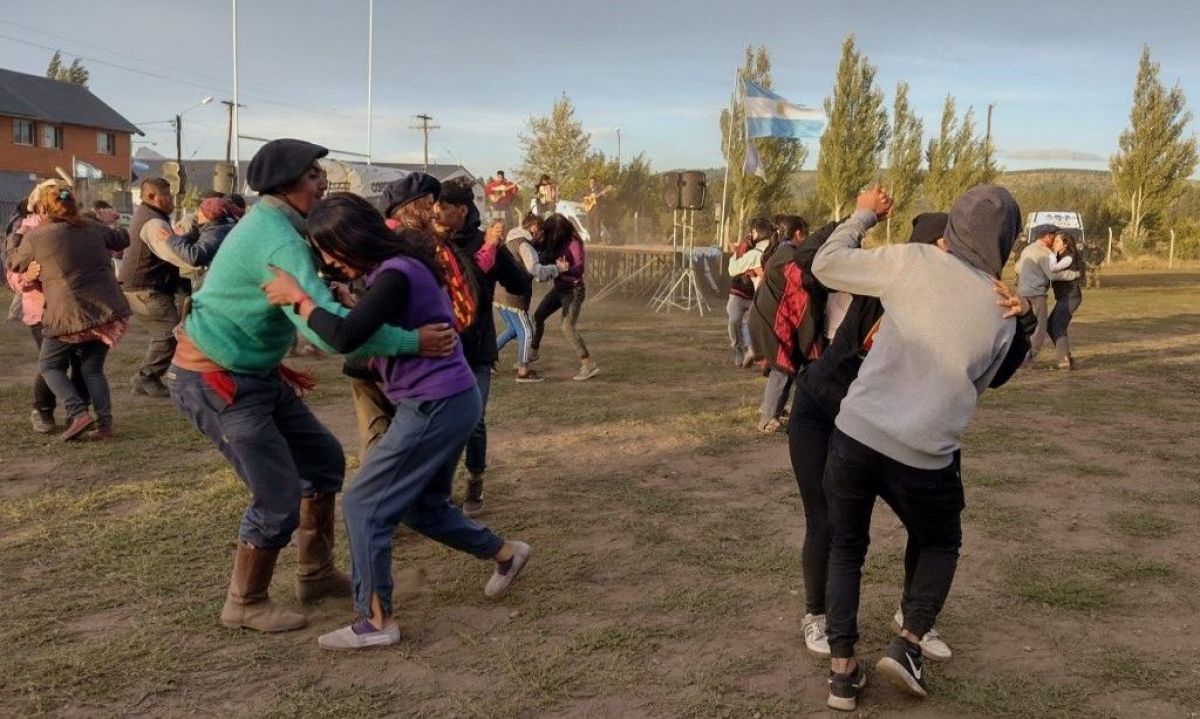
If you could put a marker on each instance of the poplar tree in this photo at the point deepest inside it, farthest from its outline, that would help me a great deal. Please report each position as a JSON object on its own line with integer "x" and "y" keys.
{"x": 1156, "y": 156}
{"x": 903, "y": 177}
{"x": 556, "y": 145}
{"x": 957, "y": 159}
{"x": 856, "y": 134}
{"x": 75, "y": 73}
{"x": 781, "y": 157}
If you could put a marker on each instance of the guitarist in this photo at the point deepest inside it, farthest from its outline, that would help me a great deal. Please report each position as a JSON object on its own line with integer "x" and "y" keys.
{"x": 593, "y": 205}
{"x": 500, "y": 193}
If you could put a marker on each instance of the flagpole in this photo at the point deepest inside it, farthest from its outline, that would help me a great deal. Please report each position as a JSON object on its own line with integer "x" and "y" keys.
{"x": 724, "y": 231}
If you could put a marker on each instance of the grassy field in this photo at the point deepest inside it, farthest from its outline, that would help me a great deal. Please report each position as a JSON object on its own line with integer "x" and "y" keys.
{"x": 666, "y": 576}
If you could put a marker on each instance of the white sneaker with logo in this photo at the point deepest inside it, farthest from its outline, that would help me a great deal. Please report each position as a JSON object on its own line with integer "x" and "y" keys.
{"x": 814, "y": 635}
{"x": 933, "y": 647}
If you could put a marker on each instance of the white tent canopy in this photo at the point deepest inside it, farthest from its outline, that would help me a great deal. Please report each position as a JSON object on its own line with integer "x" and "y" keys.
{"x": 364, "y": 180}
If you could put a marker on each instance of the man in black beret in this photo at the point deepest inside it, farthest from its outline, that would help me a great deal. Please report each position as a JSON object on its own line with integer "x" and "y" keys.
{"x": 227, "y": 377}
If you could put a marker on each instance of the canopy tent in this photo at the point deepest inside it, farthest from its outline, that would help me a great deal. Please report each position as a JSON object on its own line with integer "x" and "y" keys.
{"x": 364, "y": 180}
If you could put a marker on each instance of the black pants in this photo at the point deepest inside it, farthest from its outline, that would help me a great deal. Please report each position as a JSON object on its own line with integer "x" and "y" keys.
{"x": 1060, "y": 319}
{"x": 928, "y": 502}
{"x": 43, "y": 397}
{"x": 570, "y": 301}
{"x": 808, "y": 444}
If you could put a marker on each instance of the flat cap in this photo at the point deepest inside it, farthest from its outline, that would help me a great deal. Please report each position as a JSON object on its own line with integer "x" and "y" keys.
{"x": 408, "y": 188}
{"x": 281, "y": 162}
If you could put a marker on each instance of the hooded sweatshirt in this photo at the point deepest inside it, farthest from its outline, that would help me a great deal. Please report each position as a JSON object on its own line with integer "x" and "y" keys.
{"x": 941, "y": 339}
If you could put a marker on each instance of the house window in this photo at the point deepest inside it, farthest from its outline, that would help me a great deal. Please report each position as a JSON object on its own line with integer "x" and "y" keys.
{"x": 22, "y": 132}
{"x": 52, "y": 136}
{"x": 106, "y": 143}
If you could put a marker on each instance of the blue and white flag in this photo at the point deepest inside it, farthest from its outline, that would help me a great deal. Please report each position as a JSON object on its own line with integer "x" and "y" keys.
{"x": 88, "y": 171}
{"x": 769, "y": 115}
{"x": 753, "y": 164}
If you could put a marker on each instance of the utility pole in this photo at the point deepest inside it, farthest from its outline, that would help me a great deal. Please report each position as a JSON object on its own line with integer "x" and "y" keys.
{"x": 618, "y": 149}
{"x": 988, "y": 133}
{"x": 425, "y": 127}
{"x": 229, "y": 129}
{"x": 179, "y": 161}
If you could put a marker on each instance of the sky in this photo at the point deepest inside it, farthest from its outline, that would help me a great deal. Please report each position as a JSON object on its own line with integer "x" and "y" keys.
{"x": 1060, "y": 73}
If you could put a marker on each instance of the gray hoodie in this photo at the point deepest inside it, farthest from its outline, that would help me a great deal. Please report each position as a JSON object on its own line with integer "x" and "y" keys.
{"x": 942, "y": 337}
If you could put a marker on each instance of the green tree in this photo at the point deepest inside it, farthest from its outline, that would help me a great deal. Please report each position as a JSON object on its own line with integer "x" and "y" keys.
{"x": 556, "y": 145}
{"x": 957, "y": 159}
{"x": 75, "y": 73}
{"x": 856, "y": 135}
{"x": 781, "y": 157}
{"x": 903, "y": 177}
{"x": 1156, "y": 157}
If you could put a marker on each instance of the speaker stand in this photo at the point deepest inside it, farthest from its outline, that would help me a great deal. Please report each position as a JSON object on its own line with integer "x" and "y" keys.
{"x": 680, "y": 289}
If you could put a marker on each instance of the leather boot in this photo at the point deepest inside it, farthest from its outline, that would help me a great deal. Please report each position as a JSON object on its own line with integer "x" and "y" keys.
{"x": 247, "y": 604}
{"x": 316, "y": 577}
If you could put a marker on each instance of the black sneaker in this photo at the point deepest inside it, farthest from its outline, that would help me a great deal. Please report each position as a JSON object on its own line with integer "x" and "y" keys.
{"x": 844, "y": 688}
{"x": 902, "y": 665}
{"x": 473, "y": 504}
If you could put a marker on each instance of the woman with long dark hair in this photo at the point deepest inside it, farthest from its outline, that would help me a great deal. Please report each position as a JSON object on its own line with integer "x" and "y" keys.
{"x": 85, "y": 311}
{"x": 564, "y": 246}
{"x": 407, "y": 477}
{"x": 1067, "y": 281}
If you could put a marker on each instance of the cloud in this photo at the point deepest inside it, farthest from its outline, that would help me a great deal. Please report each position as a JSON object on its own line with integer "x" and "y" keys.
{"x": 1054, "y": 154}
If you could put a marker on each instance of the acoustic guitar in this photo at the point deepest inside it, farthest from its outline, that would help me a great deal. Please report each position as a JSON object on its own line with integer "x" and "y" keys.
{"x": 590, "y": 200}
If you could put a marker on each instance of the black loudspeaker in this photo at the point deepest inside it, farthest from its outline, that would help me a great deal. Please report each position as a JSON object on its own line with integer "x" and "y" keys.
{"x": 672, "y": 182}
{"x": 694, "y": 191}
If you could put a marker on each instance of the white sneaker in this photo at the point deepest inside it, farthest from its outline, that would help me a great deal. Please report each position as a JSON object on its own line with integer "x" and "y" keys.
{"x": 498, "y": 583}
{"x": 586, "y": 372}
{"x": 814, "y": 635}
{"x": 346, "y": 639}
{"x": 933, "y": 647}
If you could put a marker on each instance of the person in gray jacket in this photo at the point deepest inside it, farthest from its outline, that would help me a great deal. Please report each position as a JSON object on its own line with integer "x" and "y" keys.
{"x": 897, "y": 434}
{"x": 513, "y": 308}
{"x": 1035, "y": 271}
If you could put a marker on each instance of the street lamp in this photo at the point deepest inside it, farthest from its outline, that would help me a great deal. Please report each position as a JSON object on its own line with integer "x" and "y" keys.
{"x": 179, "y": 146}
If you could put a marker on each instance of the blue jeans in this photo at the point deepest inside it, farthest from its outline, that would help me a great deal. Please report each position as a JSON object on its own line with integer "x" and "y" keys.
{"x": 736, "y": 310}
{"x": 407, "y": 478}
{"x": 278, "y": 448}
{"x": 516, "y": 326}
{"x": 477, "y": 442}
{"x": 54, "y": 359}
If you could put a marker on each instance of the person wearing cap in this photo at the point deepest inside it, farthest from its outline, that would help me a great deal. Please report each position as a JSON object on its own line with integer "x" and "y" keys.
{"x": 1034, "y": 274}
{"x": 514, "y": 309}
{"x": 457, "y": 221}
{"x": 941, "y": 341}
{"x": 227, "y": 377}
{"x": 214, "y": 220}
{"x": 407, "y": 204}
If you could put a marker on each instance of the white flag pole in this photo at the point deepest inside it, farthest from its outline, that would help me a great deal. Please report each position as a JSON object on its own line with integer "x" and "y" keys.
{"x": 724, "y": 231}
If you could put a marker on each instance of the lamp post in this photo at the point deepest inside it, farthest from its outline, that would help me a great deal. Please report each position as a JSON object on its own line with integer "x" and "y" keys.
{"x": 179, "y": 147}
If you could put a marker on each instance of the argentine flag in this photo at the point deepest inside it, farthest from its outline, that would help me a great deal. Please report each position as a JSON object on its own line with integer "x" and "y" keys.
{"x": 769, "y": 115}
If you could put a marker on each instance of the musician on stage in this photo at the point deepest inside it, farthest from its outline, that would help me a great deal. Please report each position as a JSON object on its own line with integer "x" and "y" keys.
{"x": 593, "y": 205}
{"x": 500, "y": 193}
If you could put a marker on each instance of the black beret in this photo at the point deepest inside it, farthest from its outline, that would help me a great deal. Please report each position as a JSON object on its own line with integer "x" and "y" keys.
{"x": 408, "y": 188}
{"x": 928, "y": 227}
{"x": 280, "y": 162}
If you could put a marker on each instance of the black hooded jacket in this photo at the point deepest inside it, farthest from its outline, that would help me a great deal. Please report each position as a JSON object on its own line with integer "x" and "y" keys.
{"x": 479, "y": 339}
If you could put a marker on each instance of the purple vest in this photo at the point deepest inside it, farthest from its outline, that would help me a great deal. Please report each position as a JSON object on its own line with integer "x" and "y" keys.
{"x": 422, "y": 378}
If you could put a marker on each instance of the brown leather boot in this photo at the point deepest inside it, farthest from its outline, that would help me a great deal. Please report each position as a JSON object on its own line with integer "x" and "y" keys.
{"x": 247, "y": 604}
{"x": 316, "y": 577}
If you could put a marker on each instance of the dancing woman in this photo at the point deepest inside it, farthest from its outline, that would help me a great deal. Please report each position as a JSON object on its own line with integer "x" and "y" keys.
{"x": 565, "y": 247}
{"x": 407, "y": 477}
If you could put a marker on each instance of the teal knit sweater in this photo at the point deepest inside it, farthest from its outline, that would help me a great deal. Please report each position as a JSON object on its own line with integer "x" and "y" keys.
{"x": 231, "y": 321}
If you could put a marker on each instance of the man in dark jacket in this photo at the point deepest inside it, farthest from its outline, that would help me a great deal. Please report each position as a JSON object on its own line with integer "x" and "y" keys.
{"x": 457, "y": 218}
{"x": 150, "y": 279}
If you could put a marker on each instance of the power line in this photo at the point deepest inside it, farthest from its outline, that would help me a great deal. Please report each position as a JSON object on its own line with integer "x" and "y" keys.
{"x": 211, "y": 88}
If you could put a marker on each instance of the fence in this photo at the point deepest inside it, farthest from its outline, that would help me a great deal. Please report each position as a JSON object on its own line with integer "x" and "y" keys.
{"x": 634, "y": 271}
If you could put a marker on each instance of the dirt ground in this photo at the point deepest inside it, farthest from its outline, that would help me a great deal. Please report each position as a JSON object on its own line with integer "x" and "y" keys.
{"x": 666, "y": 531}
